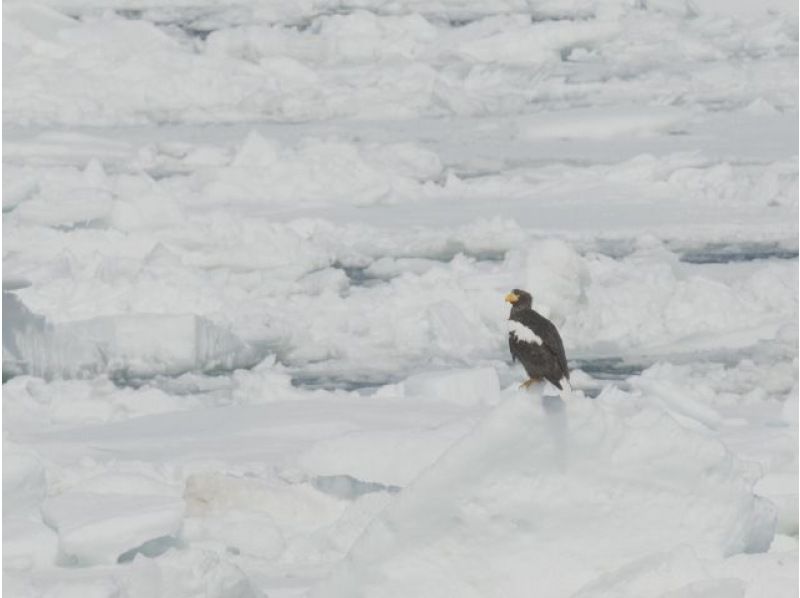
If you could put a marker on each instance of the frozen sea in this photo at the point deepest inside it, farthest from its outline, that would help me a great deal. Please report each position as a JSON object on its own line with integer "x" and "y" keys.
{"x": 254, "y": 261}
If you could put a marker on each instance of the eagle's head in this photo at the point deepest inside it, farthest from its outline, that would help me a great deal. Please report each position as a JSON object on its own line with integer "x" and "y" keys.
{"x": 519, "y": 299}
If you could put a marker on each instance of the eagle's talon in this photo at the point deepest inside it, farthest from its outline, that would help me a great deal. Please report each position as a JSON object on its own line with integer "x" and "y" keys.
{"x": 525, "y": 385}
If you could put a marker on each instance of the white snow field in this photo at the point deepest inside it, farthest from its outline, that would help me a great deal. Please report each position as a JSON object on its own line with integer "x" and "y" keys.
{"x": 254, "y": 261}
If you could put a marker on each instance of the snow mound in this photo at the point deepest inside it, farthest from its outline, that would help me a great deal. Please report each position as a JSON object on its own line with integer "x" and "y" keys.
{"x": 556, "y": 497}
{"x": 559, "y": 276}
{"x": 99, "y": 528}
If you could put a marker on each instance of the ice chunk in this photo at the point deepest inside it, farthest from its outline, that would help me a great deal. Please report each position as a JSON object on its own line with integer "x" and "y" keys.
{"x": 256, "y": 152}
{"x": 23, "y": 477}
{"x": 127, "y": 483}
{"x": 681, "y": 400}
{"x": 73, "y": 207}
{"x": 97, "y": 528}
{"x": 316, "y": 170}
{"x": 18, "y": 185}
{"x": 31, "y": 23}
{"x": 407, "y": 159}
{"x": 127, "y": 346}
{"x": 28, "y": 542}
{"x": 781, "y": 489}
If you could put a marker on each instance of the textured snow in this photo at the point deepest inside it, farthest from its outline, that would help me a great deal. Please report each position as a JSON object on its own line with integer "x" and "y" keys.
{"x": 254, "y": 337}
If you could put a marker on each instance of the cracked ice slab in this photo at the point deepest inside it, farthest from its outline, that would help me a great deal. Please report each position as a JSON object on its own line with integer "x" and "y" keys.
{"x": 122, "y": 346}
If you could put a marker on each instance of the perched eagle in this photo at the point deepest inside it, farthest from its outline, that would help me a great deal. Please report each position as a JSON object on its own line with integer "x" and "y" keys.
{"x": 534, "y": 340}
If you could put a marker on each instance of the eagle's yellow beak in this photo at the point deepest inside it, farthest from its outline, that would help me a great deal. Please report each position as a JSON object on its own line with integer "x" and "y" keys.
{"x": 512, "y": 298}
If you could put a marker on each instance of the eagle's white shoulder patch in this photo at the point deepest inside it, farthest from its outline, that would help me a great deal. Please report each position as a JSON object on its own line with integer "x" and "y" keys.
{"x": 523, "y": 333}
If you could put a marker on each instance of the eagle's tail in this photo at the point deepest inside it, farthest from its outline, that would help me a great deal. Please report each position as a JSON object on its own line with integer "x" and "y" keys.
{"x": 566, "y": 388}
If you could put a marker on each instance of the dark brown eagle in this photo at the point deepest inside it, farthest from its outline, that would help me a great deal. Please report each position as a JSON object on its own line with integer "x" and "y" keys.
{"x": 534, "y": 340}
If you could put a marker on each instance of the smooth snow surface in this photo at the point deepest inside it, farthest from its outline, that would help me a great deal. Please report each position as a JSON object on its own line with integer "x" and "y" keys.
{"x": 254, "y": 336}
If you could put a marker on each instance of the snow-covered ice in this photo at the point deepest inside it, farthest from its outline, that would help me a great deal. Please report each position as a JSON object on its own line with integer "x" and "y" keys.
{"x": 254, "y": 261}
{"x": 536, "y": 492}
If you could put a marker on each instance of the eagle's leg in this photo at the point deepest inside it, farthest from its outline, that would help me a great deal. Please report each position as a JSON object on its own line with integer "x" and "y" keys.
{"x": 530, "y": 381}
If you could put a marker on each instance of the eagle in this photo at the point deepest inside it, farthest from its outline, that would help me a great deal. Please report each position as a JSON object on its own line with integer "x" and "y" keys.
{"x": 534, "y": 340}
